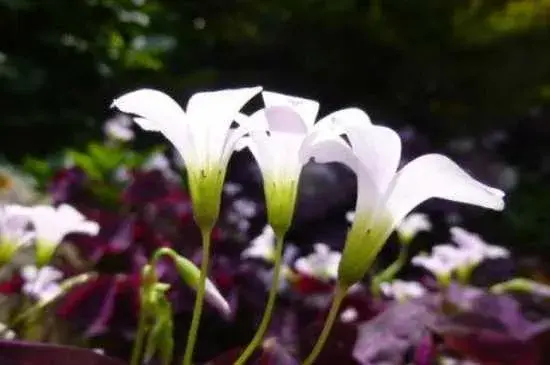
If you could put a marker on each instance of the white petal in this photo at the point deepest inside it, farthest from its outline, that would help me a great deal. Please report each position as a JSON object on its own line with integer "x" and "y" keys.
{"x": 215, "y": 298}
{"x": 155, "y": 108}
{"x": 306, "y": 108}
{"x": 325, "y": 148}
{"x": 348, "y": 116}
{"x": 211, "y": 114}
{"x": 285, "y": 119}
{"x": 156, "y": 111}
{"x": 378, "y": 148}
{"x": 304, "y": 266}
{"x": 29, "y": 273}
{"x": 436, "y": 176}
{"x": 87, "y": 227}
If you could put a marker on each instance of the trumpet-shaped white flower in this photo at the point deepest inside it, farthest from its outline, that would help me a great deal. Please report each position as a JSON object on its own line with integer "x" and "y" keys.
{"x": 322, "y": 263}
{"x": 202, "y": 135}
{"x": 41, "y": 284}
{"x": 52, "y": 224}
{"x": 385, "y": 195}
{"x": 412, "y": 225}
{"x": 472, "y": 242}
{"x": 14, "y": 231}
{"x": 401, "y": 290}
{"x": 279, "y": 132}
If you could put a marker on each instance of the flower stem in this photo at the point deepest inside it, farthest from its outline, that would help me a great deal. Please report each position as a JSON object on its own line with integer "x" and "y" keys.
{"x": 201, "y": 288}
{"x": 339, "y": 294}
{"x": 140, "y": 336}
{"x": 391, "y": 271}
{"x": 266, "y": 318}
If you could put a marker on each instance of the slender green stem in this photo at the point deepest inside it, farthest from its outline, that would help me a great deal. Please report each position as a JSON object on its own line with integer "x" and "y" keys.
{"x": 339, "y": 294}
{"x": 391, "y": 271}
{"x": 201, "y": 289}
{"x": 140, "y": 336}
{"x": 266, "y": 318}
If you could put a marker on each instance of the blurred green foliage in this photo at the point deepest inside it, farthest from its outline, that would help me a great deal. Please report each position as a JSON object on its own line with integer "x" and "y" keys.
{"x": 449, "y": 67}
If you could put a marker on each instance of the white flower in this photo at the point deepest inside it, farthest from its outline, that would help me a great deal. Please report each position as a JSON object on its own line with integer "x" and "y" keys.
{"x": 385, "y": 196}
{"x": 440, "y": 265}
{"x": 202, "y": 135}
{"x": 349, "y": 315}
{"x": 400, "y": 289}
{"x": 280, "y": 133}
{"x": 472, "y": 242}
{"x": 14, "y": 231}
{"x": 52, "y": 224}
{"x": 231, "y": 188}
{"x": 158, "y": 161}
{"x": 119, "y": 128}
{"x": 246, "y": 208}
{"x": 6, "y": 333}
{"x": 261, "y": 247}
{"x": 41, "y": 284}
{"x": 411, "y": 225}
{"x": 350, "y": 216}
{"x": 322, "y": 263}
{"x": 242, "y": 210}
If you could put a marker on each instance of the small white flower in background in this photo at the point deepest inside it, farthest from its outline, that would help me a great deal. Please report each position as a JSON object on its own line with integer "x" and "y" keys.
{"x": 231, "y": 188}
{"x": 412, "y": 225}
{"x": 41, "y": 284}
{"x": 322, "y": 263}
{"x": 6, "y": 333}
{"x": 460, "y": 256}
{"x": 402, "y": 290}
{"x": 473, "y": 242}
{"x": 122, "y": 174}
{"x": 350, "y": 216}
{"x": 158, "y": 161}
{"x": 242, "y": 210}
{"x": 440, "y": 266}
{"x": 52, "y": 224}
{"x": 14, "y": 231}
{"x": 119, "y": 128}
{"x": 261, "y": 247}
{"x": 349, "y": 315}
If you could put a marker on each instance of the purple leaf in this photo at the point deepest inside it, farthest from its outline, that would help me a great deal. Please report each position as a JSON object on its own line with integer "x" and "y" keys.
{"x": 28, "y": 353}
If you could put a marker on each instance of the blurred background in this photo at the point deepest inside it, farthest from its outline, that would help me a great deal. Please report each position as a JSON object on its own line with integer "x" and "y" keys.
{"x": 467, "y": 78}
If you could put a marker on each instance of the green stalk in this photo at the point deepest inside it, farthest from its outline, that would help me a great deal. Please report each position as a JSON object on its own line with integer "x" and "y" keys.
{"x": 140, "y": 336}
{"x": 201, "y": 289}
{"x": 391, "y": 271}
{"x": 266, "y": 318}
{"x": 339, "y": 294}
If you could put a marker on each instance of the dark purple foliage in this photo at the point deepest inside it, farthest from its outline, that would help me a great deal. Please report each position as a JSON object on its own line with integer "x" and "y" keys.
{"x": 31, "y": 353}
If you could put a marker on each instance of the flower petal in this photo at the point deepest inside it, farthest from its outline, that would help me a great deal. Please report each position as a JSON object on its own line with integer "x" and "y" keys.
{"x": 377, "y": 147}
{"x": 285, "y": 119}
{"x": 155, "y": 108}
{"x": 211, "y": 114}
{"x": 437, "y": 176}
{"x": 307, "y": 109}
{"x": 155, "y": 111}
{"x": 347, "y": 116}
